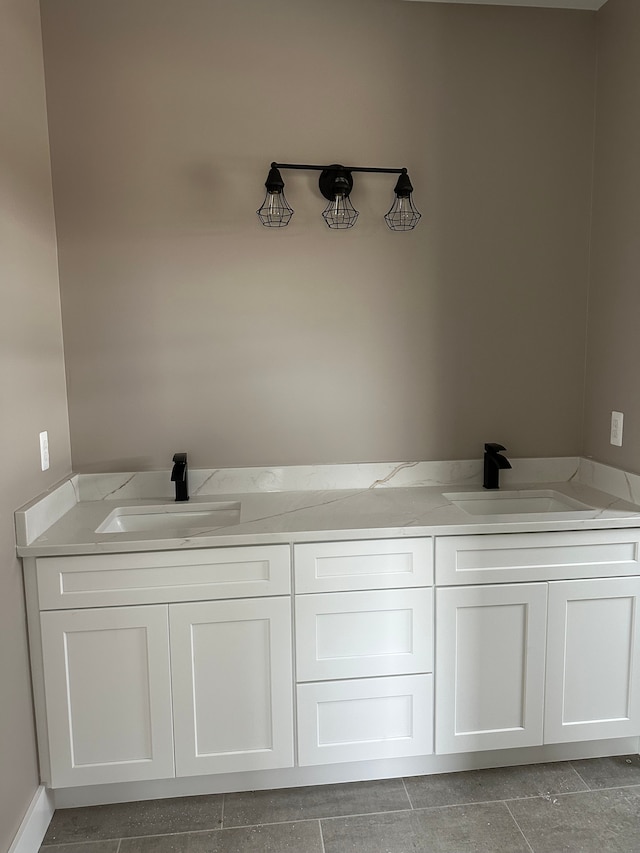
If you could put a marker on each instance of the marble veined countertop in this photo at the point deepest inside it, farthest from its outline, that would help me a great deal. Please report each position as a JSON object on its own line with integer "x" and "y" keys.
{"x": 321, "y": 503}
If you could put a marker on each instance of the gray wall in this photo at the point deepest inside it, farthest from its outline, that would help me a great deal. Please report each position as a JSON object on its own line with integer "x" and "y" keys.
{"x": 32, "y": 388}
{"x": 614, "y": 301}
{"x": 188, "y": 325}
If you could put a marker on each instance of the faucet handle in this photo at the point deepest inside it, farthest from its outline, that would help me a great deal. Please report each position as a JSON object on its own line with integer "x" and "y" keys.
{"x": 493, "y": 447}
{"x": 181, "y": 458}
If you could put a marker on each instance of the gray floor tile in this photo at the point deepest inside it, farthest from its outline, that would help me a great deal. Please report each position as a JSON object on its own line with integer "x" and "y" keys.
{"x": 500, "y": 783}
{"x": 593, "y": 822}
{"x": 609, "y": 772}
{"x": 150, "y": 817}
{"x": 278, "y": 838}
{"x": 252, "y": 807}
{"x": 83, "y": 847}
{"x": 487, "y": 828}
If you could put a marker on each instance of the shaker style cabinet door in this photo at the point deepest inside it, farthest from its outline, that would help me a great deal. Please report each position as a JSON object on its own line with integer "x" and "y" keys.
{"x": 593, "y": 648}
{"x": 490, "y": 649}
{"x": 108, "y": 694}
{"x": 232, "y": 685}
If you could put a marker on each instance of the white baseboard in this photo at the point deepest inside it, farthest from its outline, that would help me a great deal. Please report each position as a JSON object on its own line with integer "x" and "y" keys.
{"x": 34, "y": 825}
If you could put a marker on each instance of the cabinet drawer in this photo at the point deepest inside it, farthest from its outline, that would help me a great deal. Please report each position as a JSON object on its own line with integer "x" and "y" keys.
{"x": 161, "y": 576}
{"x": 505, "y": 558}
{"x": 360, "y": 634}
{"x": 371, "y": 564}
{"x": 365, "y": 719}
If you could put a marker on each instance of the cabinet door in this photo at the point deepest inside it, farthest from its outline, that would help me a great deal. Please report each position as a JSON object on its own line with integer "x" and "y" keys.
{"x": 490, "y": 648}
{"x": 232, "y": 685}
{"x": 108, "y": 694}
{"x": 593, "y": 689}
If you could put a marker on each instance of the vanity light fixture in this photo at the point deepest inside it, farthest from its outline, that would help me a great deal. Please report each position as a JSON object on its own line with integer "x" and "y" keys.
{"x": 336, "y": 183}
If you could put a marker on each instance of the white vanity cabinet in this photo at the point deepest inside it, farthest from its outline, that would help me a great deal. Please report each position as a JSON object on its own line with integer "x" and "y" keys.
{"x": 126, "y": 687}
{"x": 541, "y": 661}
{"x": 364, "y": 650}
{"x": 166, "y": 664}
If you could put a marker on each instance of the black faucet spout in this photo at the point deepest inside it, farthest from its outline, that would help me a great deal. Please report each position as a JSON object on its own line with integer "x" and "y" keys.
{"x": 180, "y": 476}
{"x": 493, "y": 463}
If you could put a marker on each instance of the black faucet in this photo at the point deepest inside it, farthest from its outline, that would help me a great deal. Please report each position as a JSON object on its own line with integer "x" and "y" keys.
{"x": 180, "y": 476}
{"x": 493, "y": 462}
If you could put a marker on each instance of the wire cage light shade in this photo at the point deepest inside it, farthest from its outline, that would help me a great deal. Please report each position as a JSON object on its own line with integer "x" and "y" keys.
{"x": 340, "y": 213}
{"x": 403, "y": 215}
{"x": 275, "y": 211}
{"x": 336, "y": 183}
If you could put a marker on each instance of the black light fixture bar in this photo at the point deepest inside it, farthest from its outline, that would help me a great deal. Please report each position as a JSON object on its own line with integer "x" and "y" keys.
{"x": 336, "y": 183}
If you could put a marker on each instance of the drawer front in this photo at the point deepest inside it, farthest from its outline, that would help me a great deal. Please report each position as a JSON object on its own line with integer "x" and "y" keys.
{"x": 163, "y": 576}
{"x": 365, "y": 719}
{"x": 370, "y": 564}
{"x": 512, "y": 557}
{"x": 360, "y": 634}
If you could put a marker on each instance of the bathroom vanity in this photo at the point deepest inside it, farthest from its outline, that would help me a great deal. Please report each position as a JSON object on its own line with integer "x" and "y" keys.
{"x": 269, "y": 652}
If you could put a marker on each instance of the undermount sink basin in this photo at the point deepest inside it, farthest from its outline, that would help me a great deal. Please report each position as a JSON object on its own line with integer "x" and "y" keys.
{"x": 171, "y": 517}
{"x": 513, "y": 503}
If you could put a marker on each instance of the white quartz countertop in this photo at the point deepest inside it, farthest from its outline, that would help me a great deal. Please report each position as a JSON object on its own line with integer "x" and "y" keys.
{"x": 65, "y": 521}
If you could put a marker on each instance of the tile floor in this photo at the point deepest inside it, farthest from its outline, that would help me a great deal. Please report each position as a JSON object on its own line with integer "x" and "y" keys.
{"x": 590, "y": 806}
